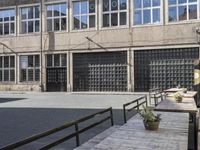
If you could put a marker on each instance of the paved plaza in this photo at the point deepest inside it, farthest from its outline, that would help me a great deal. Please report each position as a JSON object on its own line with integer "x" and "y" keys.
{"x": 24, "y": 114}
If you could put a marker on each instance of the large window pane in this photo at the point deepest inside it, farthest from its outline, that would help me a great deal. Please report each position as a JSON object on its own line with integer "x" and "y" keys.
{"x": 172, "y": 14}
{"x": 147, "y": 16}
{"x": 92, "y": 21}
{"x": 30, "y": 13}
{"x": 91, "y": 6}
{"x": 37, "y": 26}
{"x": 106, "y": 20}
{"x": 76, "y": 8}
{"x": 30, "y": 74}
{"x": 156, "y": 15}
{"x": 105, "y": 5}
{"x": 24, "y": 13}
{"x": 63, "y": 10}
{"x": 122, "y": 4}
{"x": 63, "y": 24}
{"x": 182, "y": 10}
{"x": 1, "y": 62}
{"x": 49, "y": 11}
{"x": 12, "y": 61}
{"x": 156, "y": 2}
{"x": 1, "y": 76}
{"x": 123, "y": 18}
{"x": 63, "y": 60}
{"x": 6, "y": 62}
{"x": 56, "y": 24}
{"x": 6, "y": 75}
{"x": 37, "y": 74}
{"x": 56, "y": 10}
{"x": 182, "y": 1}
{"x": 137, "y": 3}
{"x": 84, "y": 7}
{"x": 56, "y": 60}
{"x": 6, "y": 28}
{"x": 114, "y": 4}
{"x": 37, "y": 12}
{"x": 49, "y": 25}
{"x": 146, "y": 3}
{"x": 193, "y": 12}
{"x": 84, "y": 22}
{"x": 12, "y": 28}
{"x": 30, "y": 26}
{"x": 138, "y": 17}
{"x": 1, "y": 29}
{"x": 171, "y": 2}
{"x": 12, "y": 75}
{"x": 77, "y": 22}
{"x": 114, "y": 19}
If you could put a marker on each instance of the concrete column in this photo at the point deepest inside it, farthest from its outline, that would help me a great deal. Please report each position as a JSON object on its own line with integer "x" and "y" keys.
{"x": 69, "y": 71}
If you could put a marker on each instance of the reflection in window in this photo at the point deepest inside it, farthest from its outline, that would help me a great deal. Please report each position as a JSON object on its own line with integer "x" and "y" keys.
{"x": 29, "y": 68}
{"x": 84, "y": 14}
{"x": 7, "y": 22}
{"x": 7, "y": 68}
{"x": 56, "y": 17}
{"x": 180, "y": 10}
{"x": 30, "y": 19}
{"x": 114, "y": 13}
{"x": 147, "y": 11}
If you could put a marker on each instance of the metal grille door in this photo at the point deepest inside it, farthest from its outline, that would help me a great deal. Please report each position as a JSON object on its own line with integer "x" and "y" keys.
{"x": 104, "y": 71}
{"x": 143, "y": 73}
{"x": 56, "y": 79}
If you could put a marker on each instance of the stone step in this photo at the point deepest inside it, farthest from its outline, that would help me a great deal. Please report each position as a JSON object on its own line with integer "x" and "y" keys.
{"x": 97, "y": 139}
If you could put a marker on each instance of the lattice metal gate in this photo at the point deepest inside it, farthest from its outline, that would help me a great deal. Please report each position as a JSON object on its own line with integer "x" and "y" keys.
{"x": 103, "y": 71}
{"x": 164, "y": 68}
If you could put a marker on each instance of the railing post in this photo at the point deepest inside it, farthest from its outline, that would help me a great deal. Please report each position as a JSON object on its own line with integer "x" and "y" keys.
{"x": 137, "y": 106}
{"x": 124, "y": 110}
{"x": 77, "y": 135}
{"x": 146, "y": 101}
{"x": 111, "y": 117}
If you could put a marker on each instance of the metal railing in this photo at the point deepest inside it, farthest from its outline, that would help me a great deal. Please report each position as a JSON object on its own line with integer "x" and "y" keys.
{"x": 138, "y": 102}
{"x": 65, "y": 126}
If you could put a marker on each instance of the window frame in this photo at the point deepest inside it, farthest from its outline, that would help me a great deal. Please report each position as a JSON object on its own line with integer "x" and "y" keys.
{"x": 53, "y": 60}
{"x": 52, "y": 18}
{"x": 20, "y": 21}
{"x": 9, "y": 69}
{"x": 15, "y": 21}
{"x": 127, "y": 10}
{"x": 150, "y": 24}
{"x": 182, "y": 21}
{"x": 86, "y": 29}
{"x": 28, "y": 68}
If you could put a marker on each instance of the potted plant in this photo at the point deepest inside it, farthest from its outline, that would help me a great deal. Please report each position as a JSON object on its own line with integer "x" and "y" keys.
{"x": 150, "y": 120}
{"x": 178, "y": 97}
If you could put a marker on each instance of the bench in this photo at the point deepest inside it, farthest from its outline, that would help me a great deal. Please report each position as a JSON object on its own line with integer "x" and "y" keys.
{"x": 156, "y": 94}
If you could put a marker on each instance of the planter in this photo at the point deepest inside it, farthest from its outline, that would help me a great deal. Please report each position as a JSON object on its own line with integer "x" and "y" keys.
{"x": 151, "y": 125}
{"x": 179, "y": 100}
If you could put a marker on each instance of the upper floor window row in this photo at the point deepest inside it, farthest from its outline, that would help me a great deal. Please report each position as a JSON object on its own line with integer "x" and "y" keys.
{"x": 113, "y": 13}
{"x": 180, "y": 10}
{"x": 7, "y": 21}
{"x": 30, "y": 19}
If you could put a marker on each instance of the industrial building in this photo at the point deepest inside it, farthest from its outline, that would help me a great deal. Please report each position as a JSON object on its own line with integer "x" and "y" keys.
{"x": 98, "y": 45}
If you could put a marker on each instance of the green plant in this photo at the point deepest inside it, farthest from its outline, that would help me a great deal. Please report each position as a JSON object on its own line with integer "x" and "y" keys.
{"x": 178, "y": 97}
{"x": 148, "y": 115}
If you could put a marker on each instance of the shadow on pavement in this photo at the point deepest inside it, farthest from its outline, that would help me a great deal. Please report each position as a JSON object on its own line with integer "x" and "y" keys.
{"x": 19, "y": 123}
{"x": 5, "y": 100}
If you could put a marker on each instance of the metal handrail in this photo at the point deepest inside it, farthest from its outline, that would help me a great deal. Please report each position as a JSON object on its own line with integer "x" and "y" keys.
{"x": 138, "y": 104}
{"x": 67, "y": 125}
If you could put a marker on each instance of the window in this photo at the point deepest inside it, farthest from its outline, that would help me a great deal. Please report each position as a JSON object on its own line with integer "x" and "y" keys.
{"x": 30, "y": 68}
{"x": 7, "y": 68}
{"x": 84, "y": 15}
{"x": 180, "y": 10}
{"x": 147, "y": 11}
{"x": 30, "y": 19}
{"x": 56, "y": 60}
{"x": 7, "y": 22}
{"x": 56, "y": 17}
{"x": 114, "y": 13}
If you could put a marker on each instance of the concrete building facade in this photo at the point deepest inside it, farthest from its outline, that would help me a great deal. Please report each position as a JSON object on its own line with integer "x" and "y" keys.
{"x": 96, "y": 45}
